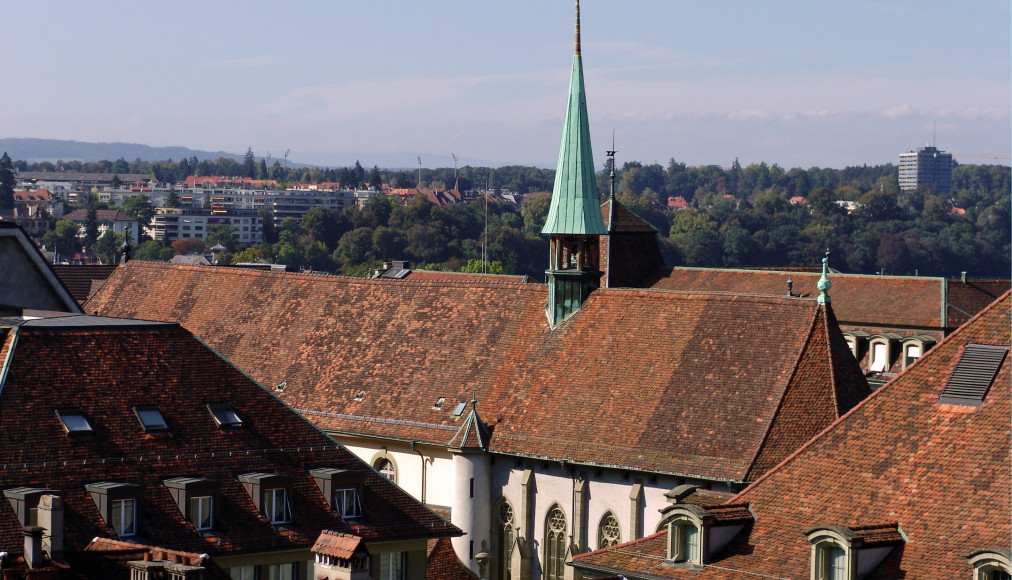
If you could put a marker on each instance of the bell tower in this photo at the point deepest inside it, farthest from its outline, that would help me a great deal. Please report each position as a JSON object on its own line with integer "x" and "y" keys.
{"x": 574, "y": 221}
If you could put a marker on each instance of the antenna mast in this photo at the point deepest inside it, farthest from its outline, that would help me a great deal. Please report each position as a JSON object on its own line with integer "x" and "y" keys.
{"x": 484, "y": 234}
{"x": 419, "y": 173}
{"x": 611, "y": 160}
{"x": 454, "y": 155}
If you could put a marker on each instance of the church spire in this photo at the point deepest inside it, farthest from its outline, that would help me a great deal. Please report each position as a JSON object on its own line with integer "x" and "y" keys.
{"x": 575, "y": 207}
{"x": 574, "y": 223}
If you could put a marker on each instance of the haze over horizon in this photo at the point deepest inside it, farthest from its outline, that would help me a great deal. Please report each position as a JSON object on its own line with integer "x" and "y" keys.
{"x": 792, "y": 82}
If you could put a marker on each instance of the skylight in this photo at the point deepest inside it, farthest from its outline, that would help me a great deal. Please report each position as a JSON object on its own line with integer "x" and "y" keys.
{"x": 74, "y": 421}
{"x": 151, "y": 418}
{"x": 224, "y": 415}
{"x": 439, "y": 403}
{"x": 459, "y": 410}
{"x": 974, "y": 373}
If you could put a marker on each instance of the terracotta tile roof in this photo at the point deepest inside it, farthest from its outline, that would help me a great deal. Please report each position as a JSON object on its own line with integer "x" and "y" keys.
{"x": 914, "y": 302}
{"x": 337, "y": 544}
{"x": 703, "y": 383}
{"x": 433, "y": 275}
{"x": 473, "y": 433}
{"x": 80, "y": 280}
{"x": 106, "y": 367}
{"x": 970, "y": 297}
{"x": 442, "y": 563}
{"x": 102, "y": 215}
{"x": 940, "y": 472}
{"x": 625, "y": 220}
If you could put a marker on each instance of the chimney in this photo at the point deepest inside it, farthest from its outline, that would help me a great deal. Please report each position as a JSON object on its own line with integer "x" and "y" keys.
{"x": 50, "y": 518}
{"x": 33, "y": 546}
{"x": 962, "y": 276}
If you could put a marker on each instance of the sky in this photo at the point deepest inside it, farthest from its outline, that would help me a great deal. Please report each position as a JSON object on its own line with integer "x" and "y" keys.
{"x": 800, "y": 83}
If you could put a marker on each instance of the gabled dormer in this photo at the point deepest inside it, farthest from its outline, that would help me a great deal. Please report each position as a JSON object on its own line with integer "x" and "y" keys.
{"x": 851, "y": 553}
{"x": 574, "y": 218}
{"x": 696, "y": 533}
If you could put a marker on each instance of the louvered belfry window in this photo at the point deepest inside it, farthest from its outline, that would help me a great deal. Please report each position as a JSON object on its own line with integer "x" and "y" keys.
{"x": 974, "y": 373}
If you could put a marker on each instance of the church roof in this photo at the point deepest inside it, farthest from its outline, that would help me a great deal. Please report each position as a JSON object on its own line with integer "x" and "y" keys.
{"x": 575, "y": 203}
{"x": 621, "y": 219}
{"x": 710, "y": 385}
{"x": 915, "y": 302}
{"x": 900, "y": 464}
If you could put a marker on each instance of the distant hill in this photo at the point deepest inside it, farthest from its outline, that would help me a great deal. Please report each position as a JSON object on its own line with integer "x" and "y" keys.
{"x": 34, "y": 150}
{"x": 53, "y": 150}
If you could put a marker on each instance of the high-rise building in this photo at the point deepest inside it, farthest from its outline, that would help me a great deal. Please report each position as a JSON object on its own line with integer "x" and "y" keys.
{"x": 926, "y": 167}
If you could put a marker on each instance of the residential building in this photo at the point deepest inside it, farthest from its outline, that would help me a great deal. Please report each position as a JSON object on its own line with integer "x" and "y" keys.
{"x": 912, "y": 483}
{"x": 171, "y": 224}
{"x": 926, "y": 167}
{"x": 108, "y": 220}
{"x": 30, "y": 217}
{"x": 134, "y": 450}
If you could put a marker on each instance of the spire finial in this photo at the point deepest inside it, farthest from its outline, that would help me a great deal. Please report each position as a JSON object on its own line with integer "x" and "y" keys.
{"x": 577, "y": 28}
{"x": 824, "y": 284}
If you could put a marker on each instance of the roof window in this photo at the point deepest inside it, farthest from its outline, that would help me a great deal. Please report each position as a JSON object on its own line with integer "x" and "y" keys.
{"x": 974, "y": 373}
{"x": 439, "y": 403}
{"x": 224, "y": 415}
{"x": 74, "y": 421}
{"x": 459, "y": 410}
{"x": 151, "y": 418}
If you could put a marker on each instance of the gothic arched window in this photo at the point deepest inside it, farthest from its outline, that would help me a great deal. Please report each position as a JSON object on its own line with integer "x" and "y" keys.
{"x": 609, "y": 533}
{"x": 504, "y": 536}
{"x": 555, "y": 544}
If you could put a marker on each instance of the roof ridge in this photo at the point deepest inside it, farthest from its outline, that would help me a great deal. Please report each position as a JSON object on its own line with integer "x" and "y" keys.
{"x": 625, "y": 544}
{"x": 866, "y": 401}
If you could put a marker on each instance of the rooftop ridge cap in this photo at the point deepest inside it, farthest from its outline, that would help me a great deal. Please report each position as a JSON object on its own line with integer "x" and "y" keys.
{"x": 804, "y": 273}
{"x": 367, "y": 419}
{"x": 711, "y": 293}
{"x": 874, "y": 396}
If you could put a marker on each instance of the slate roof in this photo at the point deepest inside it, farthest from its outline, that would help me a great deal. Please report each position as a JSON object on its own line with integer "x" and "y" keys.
{"x": 897, "y": 461}
{"x": 914, "y": 302}
{"x": 714, "y": 386}
{"x": 104, "y": 368}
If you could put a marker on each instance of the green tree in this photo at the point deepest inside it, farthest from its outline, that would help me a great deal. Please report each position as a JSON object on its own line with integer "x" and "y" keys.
{"x": 355, "y": 247}
{"x": 7, "y": 181}
{"x": 107, "y": 246}
{"x": 224, "y": 235}
{"x": 474, "y": 266}
{"x": 90, "y": 227}
{"x": 63, "y": 239}
{"x": 172, "y": 200}
{"x": 115, "y": 182}
{"x": 249, "y": 163}
{"x": 139, "y": 207}
{"x": 375, "y": 180}
{"x": 154, "y": 250}
{"x": 249, "y": 255}
{"x": 534, "y": 211}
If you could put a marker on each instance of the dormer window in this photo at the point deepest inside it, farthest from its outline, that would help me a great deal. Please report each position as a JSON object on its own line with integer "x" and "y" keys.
{"x": 74, "y": 421}
{"x": 151, "y": 418}
{"x": 347, "y": 503}
{"x": 991, "y": 564}
{"x": 195, "y": 498}
{"x": 838, "y": 552}
{"x": 118, "y": 504}
{"x": 341, "y": 488}
{"x": 683, "y": 539}
{"x": 881, "y": 352}
{"x": 25, "y": 500}
{"x": 269, "y": 491}
{"x": 914, "y": 347}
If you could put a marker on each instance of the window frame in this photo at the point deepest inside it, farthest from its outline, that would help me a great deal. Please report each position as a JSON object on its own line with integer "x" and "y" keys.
{"x": 270, "y": 506}
{"x": 195, "y": 518}
{"x": 344, "y": 508}
{"x": 119, "y": 523}
{"x": 554, "y": 539}
{"x": 140, "y": 411}
{"x": 63, "y": 414}
{"x": 602, "y": 526}
{"x": 220, "y": 412}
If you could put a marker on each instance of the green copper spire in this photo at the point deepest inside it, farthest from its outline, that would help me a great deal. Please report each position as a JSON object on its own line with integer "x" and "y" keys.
{"x": 575, "y": 207}
{"x": 824, "y": 283}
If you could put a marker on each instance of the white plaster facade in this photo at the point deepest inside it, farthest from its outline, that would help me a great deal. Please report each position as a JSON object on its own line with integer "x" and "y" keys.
{"x": 633, "y": 498}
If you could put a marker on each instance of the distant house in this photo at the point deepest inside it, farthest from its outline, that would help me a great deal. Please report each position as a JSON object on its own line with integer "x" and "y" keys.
{"x": 677, "y": 203}
{"x": 108, "y": 219}
{"x": 30, "y": 217}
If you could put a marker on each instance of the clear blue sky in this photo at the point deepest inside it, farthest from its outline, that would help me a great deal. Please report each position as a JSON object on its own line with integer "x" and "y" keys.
{"x": 795, "y": 82}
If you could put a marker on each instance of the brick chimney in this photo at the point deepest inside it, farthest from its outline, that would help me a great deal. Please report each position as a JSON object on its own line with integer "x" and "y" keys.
{"x": 50, "y": 517}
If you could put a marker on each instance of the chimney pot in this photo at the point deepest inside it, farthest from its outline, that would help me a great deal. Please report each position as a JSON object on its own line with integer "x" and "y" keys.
{"x": 962, "y": 276}
{"x": 33, "y": 546}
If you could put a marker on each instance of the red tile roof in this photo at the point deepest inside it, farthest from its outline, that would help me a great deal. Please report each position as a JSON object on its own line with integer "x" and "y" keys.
{"x": 442, "y": 563}
{"x": 707, "y": 385}
{"x": 941, "y": 473}
{"x": 914, "y": 302}
{"x": 81, "y": 280}
{"x": 102, "y": 215}
{"x": 970, "y": 297}
{"x": 106, "y": 367}
{"x": 337, "y": 544}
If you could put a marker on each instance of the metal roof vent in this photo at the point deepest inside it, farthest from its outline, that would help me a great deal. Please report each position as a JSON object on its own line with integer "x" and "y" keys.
{"x": 974, "y": 373}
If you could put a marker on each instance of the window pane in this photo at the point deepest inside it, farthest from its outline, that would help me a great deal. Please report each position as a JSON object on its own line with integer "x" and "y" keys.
{"x": 201, "y": 510}
{"x": 124, "y": 517}
{"x": 75, "y": 422}
{"x": 691, "y": 543}
{"x": 276, "y": 505}
{"x": 151, "y": 418}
